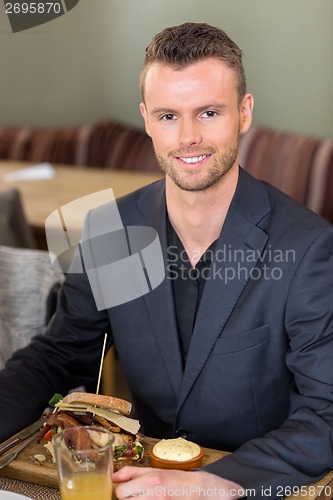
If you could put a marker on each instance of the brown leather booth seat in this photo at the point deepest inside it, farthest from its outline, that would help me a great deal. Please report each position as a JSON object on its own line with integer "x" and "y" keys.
{"x": 299, "y": 165}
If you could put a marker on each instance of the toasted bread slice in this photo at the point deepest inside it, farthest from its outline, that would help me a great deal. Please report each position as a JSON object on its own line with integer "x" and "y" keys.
{"x": 99, "y": 400}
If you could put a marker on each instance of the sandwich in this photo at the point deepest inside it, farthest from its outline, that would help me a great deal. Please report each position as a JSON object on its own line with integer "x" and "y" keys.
{"x": 87, "y": 409}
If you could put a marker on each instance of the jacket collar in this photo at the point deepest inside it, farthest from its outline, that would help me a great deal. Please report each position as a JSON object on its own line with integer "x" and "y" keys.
{"x": 250, "y": 199}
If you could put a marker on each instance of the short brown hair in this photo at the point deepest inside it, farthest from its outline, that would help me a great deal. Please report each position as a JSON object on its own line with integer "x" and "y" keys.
{"x": 191, "y": 42}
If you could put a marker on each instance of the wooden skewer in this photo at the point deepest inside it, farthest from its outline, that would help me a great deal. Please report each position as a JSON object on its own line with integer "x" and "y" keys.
{"x": 101, "y": 364}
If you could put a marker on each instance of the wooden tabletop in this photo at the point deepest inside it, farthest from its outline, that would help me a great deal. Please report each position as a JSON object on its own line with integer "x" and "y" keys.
{"x": 42, "y": 197}
{"x": 24, "y": 469}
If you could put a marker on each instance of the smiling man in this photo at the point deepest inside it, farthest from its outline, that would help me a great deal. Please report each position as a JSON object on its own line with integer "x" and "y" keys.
{"x": 234, "y": 349}
{"x": 195, "y": 107}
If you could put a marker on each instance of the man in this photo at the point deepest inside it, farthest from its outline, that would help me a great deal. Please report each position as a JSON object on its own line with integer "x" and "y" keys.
{"x": 236, "y": 355}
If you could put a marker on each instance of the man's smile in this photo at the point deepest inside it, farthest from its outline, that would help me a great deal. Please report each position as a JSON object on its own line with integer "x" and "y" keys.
{"x": 193, "y": 160}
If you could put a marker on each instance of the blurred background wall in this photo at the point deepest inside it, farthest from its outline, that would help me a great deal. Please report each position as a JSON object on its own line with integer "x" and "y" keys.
{"x": 84, "y": 66}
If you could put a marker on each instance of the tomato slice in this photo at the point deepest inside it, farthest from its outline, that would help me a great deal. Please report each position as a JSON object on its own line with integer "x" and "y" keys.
{"x": 49, "y": 435}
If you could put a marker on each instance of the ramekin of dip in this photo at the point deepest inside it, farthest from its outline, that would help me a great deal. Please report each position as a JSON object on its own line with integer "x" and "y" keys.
{"x": 176, "y": 453}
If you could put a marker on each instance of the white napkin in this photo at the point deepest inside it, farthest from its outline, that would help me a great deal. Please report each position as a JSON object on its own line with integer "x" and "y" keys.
{"x": 42, "y": 171}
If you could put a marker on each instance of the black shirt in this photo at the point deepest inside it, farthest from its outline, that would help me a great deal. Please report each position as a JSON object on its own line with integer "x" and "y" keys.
{"x": 188, "y": 285}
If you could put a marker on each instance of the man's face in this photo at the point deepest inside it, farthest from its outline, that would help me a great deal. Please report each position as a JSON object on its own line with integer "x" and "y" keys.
{"x": 194, "y": 119}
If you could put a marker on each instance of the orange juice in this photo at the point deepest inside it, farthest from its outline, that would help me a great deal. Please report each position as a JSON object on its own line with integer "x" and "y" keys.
{"x": 86, "y": 486}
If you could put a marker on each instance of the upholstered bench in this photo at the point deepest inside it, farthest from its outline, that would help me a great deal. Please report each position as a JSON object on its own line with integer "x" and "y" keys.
{"x": 299, "y": 165}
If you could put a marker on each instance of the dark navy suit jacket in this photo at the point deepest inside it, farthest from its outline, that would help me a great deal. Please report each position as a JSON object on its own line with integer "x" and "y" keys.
{"x": 258, "y": 380}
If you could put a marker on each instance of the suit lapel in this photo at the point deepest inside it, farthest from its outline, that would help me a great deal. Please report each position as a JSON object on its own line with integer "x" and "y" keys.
{"x": 229, "y": 273}
{"x": 159, "y": 302}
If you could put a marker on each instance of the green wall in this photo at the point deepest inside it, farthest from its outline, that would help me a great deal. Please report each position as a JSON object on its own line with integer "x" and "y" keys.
{"x": 84, "y": 66}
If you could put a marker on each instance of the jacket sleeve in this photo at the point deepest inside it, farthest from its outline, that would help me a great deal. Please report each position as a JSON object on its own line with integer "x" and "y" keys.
{"x": 65, "y": 357}
{"x": 300, "y": 451}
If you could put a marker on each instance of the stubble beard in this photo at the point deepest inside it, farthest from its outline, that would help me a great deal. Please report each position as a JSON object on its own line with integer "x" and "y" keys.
{"x": 193, "y": 180}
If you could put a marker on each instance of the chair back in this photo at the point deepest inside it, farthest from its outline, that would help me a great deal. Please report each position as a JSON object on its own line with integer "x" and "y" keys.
{"x": 27, "y": 280}
{"x": 14, "y": 228}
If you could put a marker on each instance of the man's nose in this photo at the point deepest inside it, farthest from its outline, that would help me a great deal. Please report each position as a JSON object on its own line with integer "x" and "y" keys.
{"x": 190, "y": 133}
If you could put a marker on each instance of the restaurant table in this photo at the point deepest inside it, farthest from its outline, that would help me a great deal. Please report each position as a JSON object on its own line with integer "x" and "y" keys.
{"x": 40, "y": 482}
{"x": 42, "y": 197}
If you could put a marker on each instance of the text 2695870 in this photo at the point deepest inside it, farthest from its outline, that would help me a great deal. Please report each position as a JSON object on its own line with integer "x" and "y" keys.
{"x": 33, "y": 8}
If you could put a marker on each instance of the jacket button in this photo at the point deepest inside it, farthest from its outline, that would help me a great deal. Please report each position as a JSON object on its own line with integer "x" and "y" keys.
{"x": 182, "y": 433}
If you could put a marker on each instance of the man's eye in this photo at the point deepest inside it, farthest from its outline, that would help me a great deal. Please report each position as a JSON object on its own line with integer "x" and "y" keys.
{"x": 209, "y": 114}
{"x": 168, "y": 116}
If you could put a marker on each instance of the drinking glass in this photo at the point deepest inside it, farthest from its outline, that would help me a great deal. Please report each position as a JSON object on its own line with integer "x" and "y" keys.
{"x": 84, "y": 458}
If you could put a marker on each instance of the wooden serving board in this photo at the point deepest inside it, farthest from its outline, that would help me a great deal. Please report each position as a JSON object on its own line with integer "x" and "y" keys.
{"x": 25, "y": 469}
{"x": 46, "y": 474}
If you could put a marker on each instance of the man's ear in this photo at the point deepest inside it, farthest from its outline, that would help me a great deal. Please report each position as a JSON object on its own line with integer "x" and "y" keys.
{"x": 144, "y": 114}
{"x": 246, "y": 109}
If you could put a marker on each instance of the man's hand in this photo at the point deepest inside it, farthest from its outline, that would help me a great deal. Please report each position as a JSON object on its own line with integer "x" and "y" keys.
{"x": 149, "y": 483}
